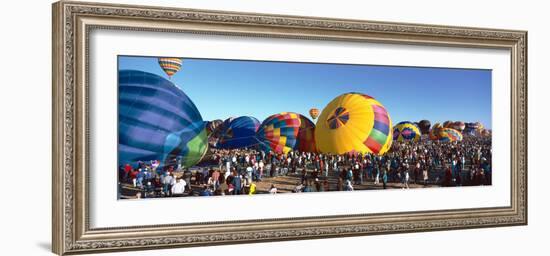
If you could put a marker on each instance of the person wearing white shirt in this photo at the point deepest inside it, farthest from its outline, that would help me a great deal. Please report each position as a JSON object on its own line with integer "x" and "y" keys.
{"x": 178, "y": 188}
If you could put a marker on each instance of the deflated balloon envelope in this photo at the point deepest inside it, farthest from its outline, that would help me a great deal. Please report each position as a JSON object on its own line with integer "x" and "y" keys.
{"x": 157, "y": 121}
{"x": 238, "y": 132}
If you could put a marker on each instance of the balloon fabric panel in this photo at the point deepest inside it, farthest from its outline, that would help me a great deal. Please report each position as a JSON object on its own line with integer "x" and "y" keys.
{"x": 156, "y": 119}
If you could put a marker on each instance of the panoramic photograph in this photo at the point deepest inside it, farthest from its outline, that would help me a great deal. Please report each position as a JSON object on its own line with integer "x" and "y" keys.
{"x": 192, "y": 127}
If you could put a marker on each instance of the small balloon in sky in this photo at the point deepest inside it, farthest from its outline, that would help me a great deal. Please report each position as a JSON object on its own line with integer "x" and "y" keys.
{"x": 170, "y": 65}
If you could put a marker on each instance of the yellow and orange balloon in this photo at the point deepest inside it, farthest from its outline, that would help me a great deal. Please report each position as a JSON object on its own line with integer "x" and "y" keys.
{"x": 354, "y": 122}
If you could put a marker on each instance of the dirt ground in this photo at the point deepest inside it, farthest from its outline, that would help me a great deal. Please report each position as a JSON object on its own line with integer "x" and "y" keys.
{"x": 284, "y": 184}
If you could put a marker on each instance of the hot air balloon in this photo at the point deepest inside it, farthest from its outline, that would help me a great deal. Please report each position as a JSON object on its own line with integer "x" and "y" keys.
{"x": 238, "y": 132}
{"x": 447, "y": 124}
{"x": 305, "y": 141}
{"x": 473, "y": 129}
{"x": 485, "y": 133}
{"x": 170, "y": 65}
{"x": 314, "y": 113}
{"x": 424, "y": 126}
{"x": 406, "y": 131}
{"x": 459, "y": 126}
{"x": 449, "y": 135}
{"x": 479, "y": 126}
{"x": 354, "y": 122}
{"x": 157, "y": 121}
{"x": 434, "y": 132}
{"x": 211, "y": 126}
{"x": 278, "y": 133}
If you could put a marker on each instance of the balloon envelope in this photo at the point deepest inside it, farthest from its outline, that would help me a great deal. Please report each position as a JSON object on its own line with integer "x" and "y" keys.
{"x": 305, "y": 141}
{"x": 170, "y": 65}
{"x": 449, "y": 135}
{"x": 157, "y": 121}
{"x": 406, "y": 131}
{"x": 354, "y": 122}
{"x": 473, "y": 129}
{"x": 434, "y": 132}
{"x": 238, "y": 132}
{"x": 459, "y": 126}
{"x": 211, "y": 126}
{"x": 424, "y": 126}
{"x": 278, "y": 133}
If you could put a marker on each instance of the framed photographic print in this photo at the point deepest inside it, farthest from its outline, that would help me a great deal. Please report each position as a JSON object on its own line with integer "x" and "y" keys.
{"x": 178, "y": 127}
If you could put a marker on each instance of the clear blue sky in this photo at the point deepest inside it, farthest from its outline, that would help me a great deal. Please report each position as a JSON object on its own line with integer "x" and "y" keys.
{"x": 224, "y": 88}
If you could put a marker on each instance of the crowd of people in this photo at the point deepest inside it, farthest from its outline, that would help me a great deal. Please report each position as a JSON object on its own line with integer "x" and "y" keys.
{"x": 239, "y": 171}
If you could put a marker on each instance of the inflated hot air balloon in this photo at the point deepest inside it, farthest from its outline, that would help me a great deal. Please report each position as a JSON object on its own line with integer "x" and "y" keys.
{"x": 157, "y": 121}
{"x": 449, "y": 135}
{"x": 434, "y": 132}
{"x": 447, "y": 124}
{"x": 354, "y": 122}
{"x": 305, "y": 141}
{"x": 406, "y": 131}
{"x": 459, "y": 126}
{"x": 278, "y": 133}
{"x": 170, "y": 65}
{"x": 479, "y": 126}
{"x": 486, "y": 133}
{"x": 424, "y": 126}
{"x": 238, "y": 132}
{"x": 314, "y": 113}
{"x": 473, "y": 129}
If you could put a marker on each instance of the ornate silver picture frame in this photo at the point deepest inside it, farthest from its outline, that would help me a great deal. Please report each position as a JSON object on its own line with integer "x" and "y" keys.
{"x": 74, "y": 21}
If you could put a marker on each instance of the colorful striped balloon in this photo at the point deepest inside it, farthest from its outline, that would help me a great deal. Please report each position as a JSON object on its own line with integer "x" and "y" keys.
{"x": 434, "y": 132}
{"x": 278, "y": 133}
{"x": 170, "y": 65}
{"x": 449, "y": 135}
{"x": 354, "y": 122}
{"x": 406, "y": 131}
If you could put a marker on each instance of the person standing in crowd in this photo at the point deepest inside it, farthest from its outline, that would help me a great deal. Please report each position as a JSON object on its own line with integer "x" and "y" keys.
{"x": 223, "y": 188}
{"x": 406, "y": 179}
{"x": 425, "y": 176}
{"x": 237, "y": 183}
{"x": 261, "y": 166}
{"x": 349, "y": 187}
{"x": 377, "y": 172}
{"x": 187, "y": 174}
{"x": 167, "y": 183}
{"x": 385, "y": 179}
